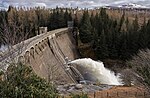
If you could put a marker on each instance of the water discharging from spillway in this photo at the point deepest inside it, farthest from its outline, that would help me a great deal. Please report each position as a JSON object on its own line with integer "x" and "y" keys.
{"x": 3, "y": 48}
{"x": 96, "y": 72}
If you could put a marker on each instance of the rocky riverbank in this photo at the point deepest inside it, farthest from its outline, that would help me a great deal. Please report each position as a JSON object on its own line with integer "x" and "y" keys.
{"x": 69, "y": 89}
{"x": 102, "y": 91}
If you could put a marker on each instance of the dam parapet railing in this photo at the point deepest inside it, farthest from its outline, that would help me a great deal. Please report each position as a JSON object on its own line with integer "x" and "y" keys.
{"x": 21, "y": 48}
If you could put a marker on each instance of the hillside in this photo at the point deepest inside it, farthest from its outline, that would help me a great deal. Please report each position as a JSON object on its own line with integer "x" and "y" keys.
{"x": 116, "y": 13}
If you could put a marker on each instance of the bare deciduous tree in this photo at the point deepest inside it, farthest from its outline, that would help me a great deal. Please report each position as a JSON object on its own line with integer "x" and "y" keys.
{"x": 140, "y": 64}
{"x": 12, "y": 36}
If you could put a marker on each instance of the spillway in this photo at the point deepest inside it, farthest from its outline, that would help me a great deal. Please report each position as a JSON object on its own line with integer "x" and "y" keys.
{"x": 96, "y": 72}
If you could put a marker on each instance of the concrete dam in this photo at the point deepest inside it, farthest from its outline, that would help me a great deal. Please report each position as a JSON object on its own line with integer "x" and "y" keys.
{"x": 52, "y": 55}
{"x": 48, "y": 54}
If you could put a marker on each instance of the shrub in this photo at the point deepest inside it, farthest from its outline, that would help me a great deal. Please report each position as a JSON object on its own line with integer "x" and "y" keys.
{"x": 21, "y": 82}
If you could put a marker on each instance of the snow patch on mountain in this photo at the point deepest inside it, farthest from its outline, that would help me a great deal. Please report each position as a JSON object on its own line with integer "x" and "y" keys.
{"x": 132, "y": 5}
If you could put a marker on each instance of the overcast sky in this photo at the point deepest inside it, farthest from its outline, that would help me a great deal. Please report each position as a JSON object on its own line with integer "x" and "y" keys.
{"x": 71, "y": 3}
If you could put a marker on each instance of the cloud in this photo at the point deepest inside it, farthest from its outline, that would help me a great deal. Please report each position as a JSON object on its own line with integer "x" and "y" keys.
{"x": 70, "y": 3}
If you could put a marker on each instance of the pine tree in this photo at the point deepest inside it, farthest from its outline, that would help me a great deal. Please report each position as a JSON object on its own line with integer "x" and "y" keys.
{"x": 127, "y": 24}
{"x": 134, "y": 36}
{"x": 3, "y": 21}
{"x": 66, "y": 16}
{"x": 121, "y": 21}
{"x": 76, "y": 21}
{"x": 123, "y": 47}
{"x": 135, "y": 24}
{"x": 92, "y": 19}
{"x": 112, "y": 43}
{"x": 143, "y": 38}
{"x": 96, "y": 24}
{"x": 61, "y": 20}
{"x": 54, "y": 19}
{"x": 102, "y": 49}
{"x": 85, "y": 28}
{"x": 148, "y": 33}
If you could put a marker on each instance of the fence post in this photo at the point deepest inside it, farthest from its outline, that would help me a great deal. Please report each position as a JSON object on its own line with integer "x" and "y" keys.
{"x": 135, "y": 94}
{"x": 107, "y": 94}
{"x": 94, "y": 95}
{"x": 117, "y": 94}
{"x": 144, "y": 94}
{"x": 126, "y": 93}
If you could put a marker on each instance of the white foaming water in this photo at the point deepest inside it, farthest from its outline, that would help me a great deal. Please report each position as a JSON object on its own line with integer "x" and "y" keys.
{"x": 3, "y": 48}
{"x": 95, "y": 71}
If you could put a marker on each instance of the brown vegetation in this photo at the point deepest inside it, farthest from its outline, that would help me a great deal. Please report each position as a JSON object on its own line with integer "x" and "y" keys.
{"x": 117, "y": 13}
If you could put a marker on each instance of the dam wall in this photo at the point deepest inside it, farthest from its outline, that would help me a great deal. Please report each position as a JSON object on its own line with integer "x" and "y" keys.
{"x": 48, "y": 57}
{"x": 48, "y": 54}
